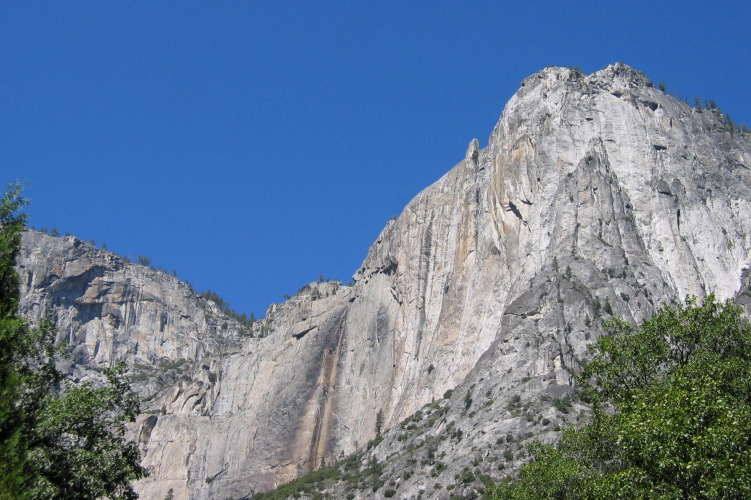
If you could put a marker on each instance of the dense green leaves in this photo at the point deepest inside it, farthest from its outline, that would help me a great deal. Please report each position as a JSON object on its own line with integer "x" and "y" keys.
{"x": 57, "y": 440}
{"x": 11, "y": 226}
{"x": 672, "y": 414}
{"x": 12, "y": 465}
{"x": 76, "y": 438}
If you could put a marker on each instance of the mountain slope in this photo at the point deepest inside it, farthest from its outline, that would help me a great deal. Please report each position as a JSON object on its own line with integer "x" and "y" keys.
{"x": 597, "y": 195}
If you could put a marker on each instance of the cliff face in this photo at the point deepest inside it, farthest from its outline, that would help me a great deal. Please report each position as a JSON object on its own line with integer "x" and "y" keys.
{"x": 108, "y": 310}
{"x": 596, "y": 196}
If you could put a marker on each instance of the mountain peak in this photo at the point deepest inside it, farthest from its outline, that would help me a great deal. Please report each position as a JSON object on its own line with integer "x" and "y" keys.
{"x": 613, "y": 76}
{"x": 622, "y": 74}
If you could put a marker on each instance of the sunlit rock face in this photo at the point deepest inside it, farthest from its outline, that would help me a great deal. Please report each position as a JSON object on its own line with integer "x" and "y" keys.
{"x": 596, "y": 196}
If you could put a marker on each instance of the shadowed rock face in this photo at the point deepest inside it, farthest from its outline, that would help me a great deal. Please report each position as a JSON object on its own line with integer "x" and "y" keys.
{"x": 596, "y": 196}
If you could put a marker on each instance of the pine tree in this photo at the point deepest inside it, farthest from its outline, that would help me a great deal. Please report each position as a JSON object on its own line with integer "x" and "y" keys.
{"x": 379, "y": 423}
{"x": 13, "y": 471}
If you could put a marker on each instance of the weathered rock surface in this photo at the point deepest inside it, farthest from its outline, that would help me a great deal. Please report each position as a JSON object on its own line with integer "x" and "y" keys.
{"x": 107, "y": 309}
{"x": 596, "y": 196}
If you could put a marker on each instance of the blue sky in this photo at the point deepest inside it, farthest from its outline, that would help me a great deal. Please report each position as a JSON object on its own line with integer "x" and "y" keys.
{"x": 253, "y": 146}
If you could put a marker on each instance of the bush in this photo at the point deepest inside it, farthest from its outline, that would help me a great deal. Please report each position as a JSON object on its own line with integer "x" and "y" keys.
{"x": 671, "y": 414}
{"x": 467, "y": 477}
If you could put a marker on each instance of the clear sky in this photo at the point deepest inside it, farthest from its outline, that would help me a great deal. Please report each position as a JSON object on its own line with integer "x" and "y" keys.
{"x": 255, "y": 145}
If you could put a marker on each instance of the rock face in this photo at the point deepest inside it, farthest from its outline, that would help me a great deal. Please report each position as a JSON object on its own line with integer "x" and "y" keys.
{"x": 596, "y": 196}
{"x": 107, "y": 309}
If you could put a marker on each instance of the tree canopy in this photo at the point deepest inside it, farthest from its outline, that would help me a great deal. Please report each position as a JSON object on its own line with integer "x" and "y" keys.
{"x": 671, "y": 414}
{"x": 58, "y": 440}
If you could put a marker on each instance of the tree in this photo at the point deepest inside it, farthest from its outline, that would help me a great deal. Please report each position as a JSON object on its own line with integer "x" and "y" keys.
{"x": 671, "y": 414}
{"x": 12, "y": 450}
{"x": 379, "y": 424}
{"x": 57, "y": 440}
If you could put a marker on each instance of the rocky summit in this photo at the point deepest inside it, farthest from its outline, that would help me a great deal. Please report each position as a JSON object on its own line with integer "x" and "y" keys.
{"x": 597, "y": 196}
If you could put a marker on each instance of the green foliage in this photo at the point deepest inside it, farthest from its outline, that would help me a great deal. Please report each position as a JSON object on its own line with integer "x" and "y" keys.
{"x": 597, "y": 307}
{"x": 76, "y": 438}
{"x": 563, "y": 404}
{"x": 379, "y": 423}
{"x": 303, "y": 485}
{"x": 57, "y": 440}
{"x": 672, "y": 414}
{"x": 11, "y": 226}
{"x": 467, "y": 476}
{"x": 13, "y": 473}
{"x": 224, "y": 306}
{"x": 467, "y": 400}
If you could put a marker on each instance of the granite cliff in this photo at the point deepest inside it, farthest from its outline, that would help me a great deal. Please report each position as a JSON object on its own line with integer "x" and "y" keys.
{"x": 596, "y": 196}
